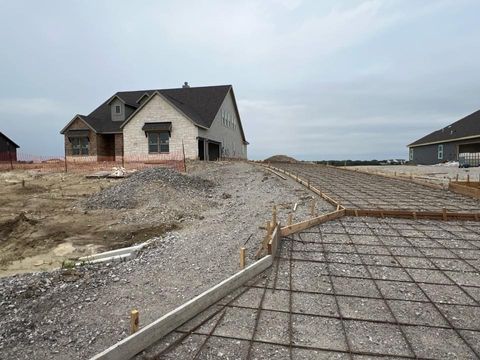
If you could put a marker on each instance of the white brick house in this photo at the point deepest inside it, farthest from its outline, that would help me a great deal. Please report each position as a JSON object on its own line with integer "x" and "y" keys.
{"x": 202, "y": 122}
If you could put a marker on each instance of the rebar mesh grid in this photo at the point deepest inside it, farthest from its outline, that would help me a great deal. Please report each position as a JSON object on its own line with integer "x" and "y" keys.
{"x": 355, "y": 288}
{"x": 369, "y": 191}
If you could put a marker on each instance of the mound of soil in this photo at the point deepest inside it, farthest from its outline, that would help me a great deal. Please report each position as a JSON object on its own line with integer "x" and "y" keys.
{"x": 281, "y": 158}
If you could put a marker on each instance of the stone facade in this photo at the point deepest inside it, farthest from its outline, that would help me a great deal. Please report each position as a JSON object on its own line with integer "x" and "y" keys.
{"x": 225, "y": 129}
{"x": 159, "y": 110}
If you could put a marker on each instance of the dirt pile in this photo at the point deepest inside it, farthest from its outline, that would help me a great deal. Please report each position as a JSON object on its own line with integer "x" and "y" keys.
{"x": 127, "y": 194}
{"x": 281, "y": 158}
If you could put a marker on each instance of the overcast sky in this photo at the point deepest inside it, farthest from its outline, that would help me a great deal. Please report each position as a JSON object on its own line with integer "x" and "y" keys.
{"x": 313, "y": 79}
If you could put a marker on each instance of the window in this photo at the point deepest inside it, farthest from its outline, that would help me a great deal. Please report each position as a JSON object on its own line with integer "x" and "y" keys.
{"x": 118, "y": 109}
{"x": 158, "y": 142}
{"x": 411, "y": 154}
{"x": 80, "y": 146}
{"x": 440, "y": 152}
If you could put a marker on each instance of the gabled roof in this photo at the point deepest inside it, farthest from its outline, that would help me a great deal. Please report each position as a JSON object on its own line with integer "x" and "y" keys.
{"x": 199, "y": 104}
{"x": 9, "y": 140}
{"x": 465, "y": 128}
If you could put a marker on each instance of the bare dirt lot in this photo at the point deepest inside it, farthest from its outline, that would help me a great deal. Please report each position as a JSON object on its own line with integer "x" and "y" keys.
{"x": 46, "y": 218}
{"x": 75, "y": 313}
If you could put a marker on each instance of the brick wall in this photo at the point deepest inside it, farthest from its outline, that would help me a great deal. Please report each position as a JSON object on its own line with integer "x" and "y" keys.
{"x": 80, "y": 124}
{"x": 160, "y": 110}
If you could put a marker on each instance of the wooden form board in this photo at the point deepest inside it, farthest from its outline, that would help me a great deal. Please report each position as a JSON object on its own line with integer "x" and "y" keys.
{"x": 147, "y": 336}
{"x": 274, "y": 241}
{"x": 276, "y": 173}
{"x": 463, "y": 189}
{"x": 307, "y": 184}
{"x": 287, "y": 230}
{"x": 430, "y": 215}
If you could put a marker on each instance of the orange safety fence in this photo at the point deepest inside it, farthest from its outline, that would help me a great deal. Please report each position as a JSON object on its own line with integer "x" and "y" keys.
{"x": 87, "y": 164}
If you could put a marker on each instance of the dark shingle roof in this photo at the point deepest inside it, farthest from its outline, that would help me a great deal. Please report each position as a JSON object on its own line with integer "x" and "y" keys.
{"x": 200, "y": 104}
{"x": 9, "y": 140}
{"x": 466, "y": 127}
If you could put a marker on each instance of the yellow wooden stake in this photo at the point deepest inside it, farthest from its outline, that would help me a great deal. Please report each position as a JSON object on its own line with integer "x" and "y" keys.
{"x": 134, "y": 321}
{"x": 274, "y": 216}
{"x": 242, "y": 258}
{"x": 290, "y": 219}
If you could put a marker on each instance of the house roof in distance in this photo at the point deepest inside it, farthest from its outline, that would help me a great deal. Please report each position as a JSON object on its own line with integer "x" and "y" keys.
{"x": 467, "y": 127}
{"x": 200, "y": 104}
{"x": 10, "y": 140}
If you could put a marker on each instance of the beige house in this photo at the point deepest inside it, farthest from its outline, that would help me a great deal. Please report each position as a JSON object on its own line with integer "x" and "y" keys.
{"x": 202, "y": 122}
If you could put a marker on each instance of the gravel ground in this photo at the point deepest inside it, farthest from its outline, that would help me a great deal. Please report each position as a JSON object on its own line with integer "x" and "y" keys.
{"x": 75, "y": 313}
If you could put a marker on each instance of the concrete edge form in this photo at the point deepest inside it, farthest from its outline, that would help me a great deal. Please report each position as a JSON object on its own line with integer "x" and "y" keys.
{"x": 288, "y": 230}
{"x": 147, "y": 336}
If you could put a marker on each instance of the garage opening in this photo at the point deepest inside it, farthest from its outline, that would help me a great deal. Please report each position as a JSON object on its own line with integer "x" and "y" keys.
{"x": 469, "y": 148}
{"x": 213, "y": 151}
{"x": 201, "y": 149}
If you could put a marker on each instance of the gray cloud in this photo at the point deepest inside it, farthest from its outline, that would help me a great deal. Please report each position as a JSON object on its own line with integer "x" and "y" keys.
{"x": 316, "y": 80}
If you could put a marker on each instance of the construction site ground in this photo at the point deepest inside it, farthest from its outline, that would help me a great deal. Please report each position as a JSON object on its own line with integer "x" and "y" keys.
{"x": 346, "y": 289}
{"x": 440, "y": 174}
{"x": 353, "y": 288}
{"x": 196, "y": 224}
{"x": 358, "y": 190}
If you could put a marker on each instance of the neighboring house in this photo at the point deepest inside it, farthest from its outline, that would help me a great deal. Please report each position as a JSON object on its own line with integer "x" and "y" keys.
{"x": 8, "y": 149}
{"x": 204, "y": 122}
{"x": 463, "y": 136}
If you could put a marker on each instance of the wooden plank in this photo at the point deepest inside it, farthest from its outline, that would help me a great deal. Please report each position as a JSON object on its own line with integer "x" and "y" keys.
{"x": 276, "y": 173}
{"x": 431, "y": 215}
{"x": 459, "y": 188}
{"x": 147, "y": 336}
{"x": 274, "y": 241}
{"x": 287, "y": 230}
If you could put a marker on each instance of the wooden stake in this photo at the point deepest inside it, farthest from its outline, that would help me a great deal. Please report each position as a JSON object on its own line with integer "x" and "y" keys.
{"x": 242, "y": 258}
{"x": 312, "y": 208}
{"x": 444, "y": 211}
{"x": 468, "y": 178}
{"x": 295, "y": 207}
{"x": 274, "y": 216}
{"x": 290, "y": 219}
{"x": 134, "y": 321}
{"x": 414, "y": 215}
{"x": 456, "y": 179}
